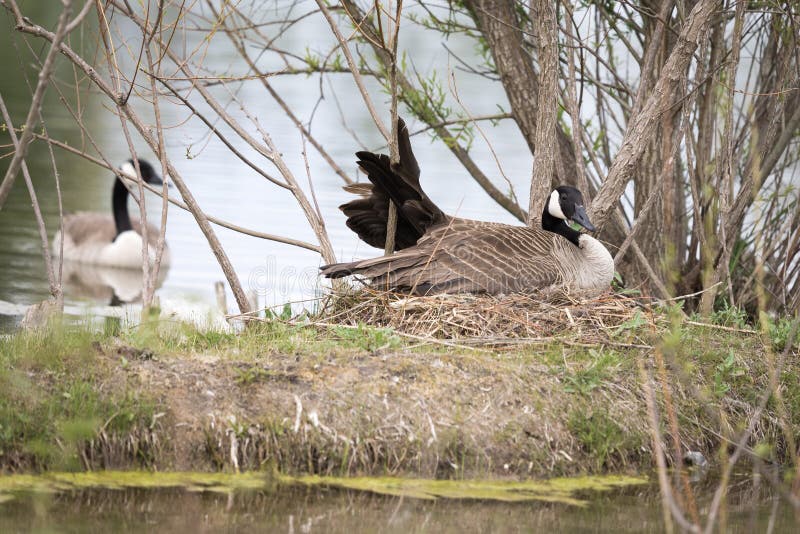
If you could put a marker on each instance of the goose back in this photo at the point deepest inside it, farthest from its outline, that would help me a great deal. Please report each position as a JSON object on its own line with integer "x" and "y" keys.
{"x": 90, "y": 238}
{"x": 467, "y": 256}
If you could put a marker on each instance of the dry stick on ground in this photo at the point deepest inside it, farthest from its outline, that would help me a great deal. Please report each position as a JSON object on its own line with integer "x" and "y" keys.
{"x": 48, "y": 67}
{"x": 55, "y": 283}
{"x": 644, "y": 123}
{"x": 359, "y": 19}
{"x": 545, "y": 155}
{"x": 202, "y": 221}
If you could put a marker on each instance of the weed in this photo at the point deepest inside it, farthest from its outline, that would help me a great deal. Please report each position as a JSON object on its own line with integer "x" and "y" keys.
{"x": 369, "y": 338}
{"x": 600, "y": 436}
{"x": 779, "y": 330}
{"x": 250, "y": 375}
{"x": 634, "y": 323}
{"x": 585, "y": 380}
{"x": 728, "y": 315}
{"x": 725, "y": 373}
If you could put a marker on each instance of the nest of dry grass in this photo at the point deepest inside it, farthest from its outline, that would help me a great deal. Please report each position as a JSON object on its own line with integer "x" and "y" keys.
{"x": 492, "y": 320}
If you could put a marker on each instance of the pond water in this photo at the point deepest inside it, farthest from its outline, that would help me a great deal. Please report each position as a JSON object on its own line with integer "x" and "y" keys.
{"x": 223, "y": 185}
{"x": 315, "y": 509}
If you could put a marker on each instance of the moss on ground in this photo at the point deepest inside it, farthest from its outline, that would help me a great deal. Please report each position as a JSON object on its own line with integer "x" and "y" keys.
{"x": 343, "y": 401}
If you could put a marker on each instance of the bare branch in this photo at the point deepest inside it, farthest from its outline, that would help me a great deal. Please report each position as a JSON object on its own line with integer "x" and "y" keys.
{"x": 38, "y": 95}
{"x": 643, "y": 124}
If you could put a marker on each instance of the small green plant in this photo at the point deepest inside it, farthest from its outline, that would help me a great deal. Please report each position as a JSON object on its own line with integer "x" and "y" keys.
{"x": 725, "y": 373}
{"x": 728, "y": 315}
{"x": 585, "y": 380}
{"x": 779, "y": 330}
{"x": 634, "y": 323}
{"x": 369, "y": 338}
{"x": 284, "y": 315}
{"x": 599, "y": 435}
{"x": 250, "y": 375}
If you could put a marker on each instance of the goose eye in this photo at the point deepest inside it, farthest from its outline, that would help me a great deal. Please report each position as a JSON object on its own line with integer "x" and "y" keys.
{"x": 563, "y": 197}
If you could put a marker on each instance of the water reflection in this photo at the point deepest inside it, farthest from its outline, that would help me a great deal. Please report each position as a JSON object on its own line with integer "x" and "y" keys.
{"x": 286, "y": 509}
{"x": 105, "y": 285}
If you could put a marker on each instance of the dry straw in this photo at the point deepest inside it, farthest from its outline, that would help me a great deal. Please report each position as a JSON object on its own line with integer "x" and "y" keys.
{"x": 485, "y": 320}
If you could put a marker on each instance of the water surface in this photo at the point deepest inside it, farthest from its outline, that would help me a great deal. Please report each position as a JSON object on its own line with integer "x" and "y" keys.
{"x": 314, "y": 509}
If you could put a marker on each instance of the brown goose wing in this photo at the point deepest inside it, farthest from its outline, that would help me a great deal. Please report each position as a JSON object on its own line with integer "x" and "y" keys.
{"x": 90, "y": 226}
{"x": 490, "y": 257}
{"x": 464, "y": 256}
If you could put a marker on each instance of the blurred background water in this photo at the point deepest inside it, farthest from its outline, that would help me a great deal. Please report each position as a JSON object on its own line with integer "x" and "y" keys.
{"x": 225, "y": 187}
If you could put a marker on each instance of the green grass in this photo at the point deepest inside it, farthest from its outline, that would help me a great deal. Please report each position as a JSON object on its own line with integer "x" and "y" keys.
{"x": 52, "y": 402}
{"x": 601, "y": 367}
{"x": 601, "y": 437}
{"x": 260, "y": 339}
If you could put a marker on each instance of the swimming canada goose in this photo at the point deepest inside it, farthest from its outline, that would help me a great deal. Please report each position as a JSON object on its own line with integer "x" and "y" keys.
{"x": 443, "y": 254}
{"x": 111, "y": 240}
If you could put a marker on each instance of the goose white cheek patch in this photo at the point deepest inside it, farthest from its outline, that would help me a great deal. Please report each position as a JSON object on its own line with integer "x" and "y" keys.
{"x": 128, "y": 169}
{"x": 554, "y": 207}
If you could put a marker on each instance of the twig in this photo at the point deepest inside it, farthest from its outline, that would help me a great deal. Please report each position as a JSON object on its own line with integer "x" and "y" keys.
{"x": 55, "y": 283}
{"x": 354, "y": 70}
{"x": 34, "y": 110}
{"x": 394, "y": 155}
{"x": 178, "y": 203}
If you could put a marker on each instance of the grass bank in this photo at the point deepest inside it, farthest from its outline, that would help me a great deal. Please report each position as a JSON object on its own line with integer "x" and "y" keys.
{"x": 346, "y": 401}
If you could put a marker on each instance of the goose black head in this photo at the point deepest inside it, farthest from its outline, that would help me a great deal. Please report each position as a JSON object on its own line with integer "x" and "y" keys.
{"x": 149, "y": 174}
{"x": 566, "y": 203}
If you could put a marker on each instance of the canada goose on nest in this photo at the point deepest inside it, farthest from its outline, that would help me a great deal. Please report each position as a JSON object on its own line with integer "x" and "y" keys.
{"x": 443, "y": 254}
{"x": 113, "y": 239}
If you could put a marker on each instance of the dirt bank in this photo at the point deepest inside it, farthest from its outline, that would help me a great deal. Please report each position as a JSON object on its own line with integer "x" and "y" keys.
{"x": 345, "y": 401}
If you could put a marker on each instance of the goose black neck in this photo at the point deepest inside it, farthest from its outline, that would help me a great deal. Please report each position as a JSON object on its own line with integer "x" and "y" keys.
{"x": 119, "y": 202}
{"x": 560, "y": 227}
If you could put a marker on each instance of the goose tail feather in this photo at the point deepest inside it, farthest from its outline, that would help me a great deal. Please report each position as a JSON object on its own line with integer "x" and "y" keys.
{"x": 368, "y": 215}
